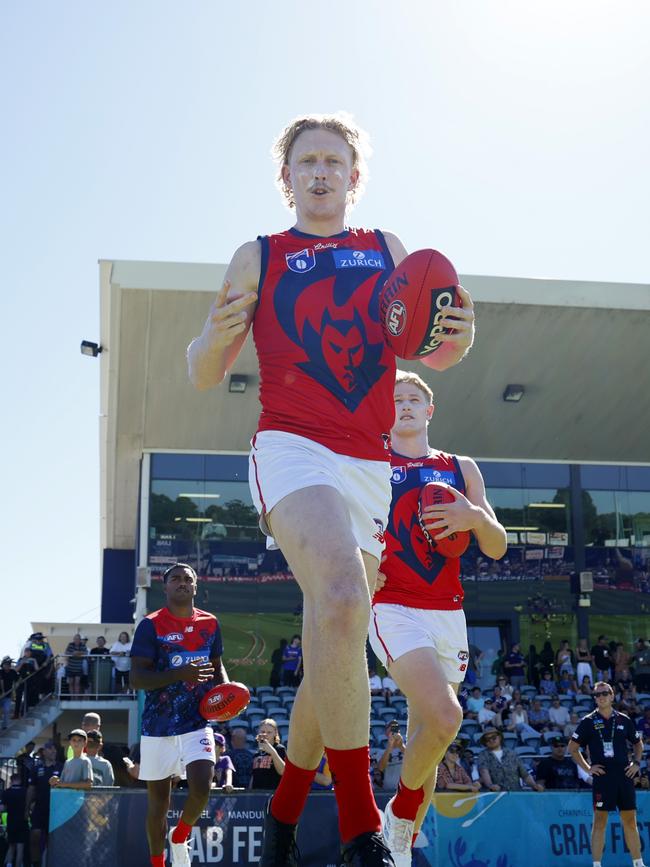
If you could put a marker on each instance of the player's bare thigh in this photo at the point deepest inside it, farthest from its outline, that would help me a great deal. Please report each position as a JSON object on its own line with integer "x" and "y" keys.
{"x": 312, "y": 528}
{"x": 420, "y": 666}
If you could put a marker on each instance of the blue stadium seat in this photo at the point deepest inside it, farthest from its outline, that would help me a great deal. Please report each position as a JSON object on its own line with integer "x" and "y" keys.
{"x": 263, "y": 690}
{"x": 531, "y": 741}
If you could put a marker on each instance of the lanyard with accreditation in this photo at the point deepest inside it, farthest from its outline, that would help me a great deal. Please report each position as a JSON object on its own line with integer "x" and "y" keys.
{"x": 608, "y": 745}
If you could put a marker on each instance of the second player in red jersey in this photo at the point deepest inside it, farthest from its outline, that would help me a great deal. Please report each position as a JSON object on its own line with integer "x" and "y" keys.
{"x": 417, "y": 627}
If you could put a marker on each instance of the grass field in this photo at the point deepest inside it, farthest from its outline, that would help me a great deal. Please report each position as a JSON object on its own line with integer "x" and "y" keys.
{"x": 250, "y": 639}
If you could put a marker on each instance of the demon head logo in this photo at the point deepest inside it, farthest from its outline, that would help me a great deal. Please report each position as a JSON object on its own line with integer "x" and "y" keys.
{"x": 411, "y": 545}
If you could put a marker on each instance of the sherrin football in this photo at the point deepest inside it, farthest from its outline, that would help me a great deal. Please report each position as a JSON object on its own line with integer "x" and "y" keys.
{"x": 435, "y": 494}
{"x": 225, "y": 701}
{"x": 412, "y": 302}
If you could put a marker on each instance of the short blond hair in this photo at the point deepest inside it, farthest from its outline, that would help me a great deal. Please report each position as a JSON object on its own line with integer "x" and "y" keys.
{"x": 340, "y": 123}
{"x": 413, "y": 379}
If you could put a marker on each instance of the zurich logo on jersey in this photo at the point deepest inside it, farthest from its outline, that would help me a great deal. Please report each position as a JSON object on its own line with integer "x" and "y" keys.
{"x": 301, "y": 262}
{"x": 176, "y": 661}
{"x": 358, "y": 259}
{"x": 398, "y": 475}
{"x": 430, "y": 475}
{"x": 173, "y": 636}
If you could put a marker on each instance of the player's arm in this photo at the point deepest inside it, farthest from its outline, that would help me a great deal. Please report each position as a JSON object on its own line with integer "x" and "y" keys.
{"x": 143, "y": 675}
{"x": 471, "y": 512}
{"x": 220, "y": 675}
{"x": 211, "y": 355}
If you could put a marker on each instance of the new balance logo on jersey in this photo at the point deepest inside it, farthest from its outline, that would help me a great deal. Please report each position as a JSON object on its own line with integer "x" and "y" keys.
{"x": 358, "y": 259}
{"x": 301, "y": 262}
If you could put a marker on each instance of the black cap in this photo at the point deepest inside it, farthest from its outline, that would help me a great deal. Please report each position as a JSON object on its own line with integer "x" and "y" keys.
{"x": 557, "y": 741}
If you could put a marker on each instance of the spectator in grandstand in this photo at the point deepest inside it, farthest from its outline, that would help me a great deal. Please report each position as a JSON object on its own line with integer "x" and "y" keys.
{"x": 584, "y": 660}
{"x": 27, "y": 688}
{"x": 586, "y": 687}
{"x": 533, "y": 666}
{"x": 452, "y": 776}
{"x": 100, "y": 648}
{"x": 473, "y": 664}
{"x": 546, "y": 658}
{"x": 567, "y": 685}
{"x": 497, "y": 664}
{"x": 13, "y": 801}
{"x": 538, "y": 717}
{"x": 390, "y": 688}
{"x": 625, "y": 681}
{"x": 564, "y": 659}
{"x": 515, "y": 666}
{"x": 77, "y": 772}
{"x": 26, "y": 760}
{"x": 547, "y": 685}
{"x": 323, "y": 780}
{"x": 602, "y": 659}
{"x": 557, "y": 771}
{"x": 224, "y": 767}
{"x": 76, "y": 653}
{"x": 292, "y": 662}
{"x": 572, "y": 725}
{"x": 518, "y": 722}
{"x": 505, "y": 686}
{"x": 628, "y": 704}
{"x": 501, "y": 769}
{"x": 275, "y": 678}
{"x": 390, "y": 763}
{"x": 621, "y": 660}
{"x": 558, "y": 715}
{"x": 488, "y": 717}
{"x": 374, "y": 681}
{"x": 38, "y": 800}
{"x": 8, "y": 680}
{"x": 269, "y": 760}
{"x": 643, "y": 724}
{"x": 641, "y": 661}
{"x": 500, "y": 700}
{"x": 469, "y": 764}
{"x": 241, "y": 756}
{"x": 41, "y": 651}
{"x": 121, "y": 656}
{"x": 102, "y": 769}
{"x": 474, "y": 703}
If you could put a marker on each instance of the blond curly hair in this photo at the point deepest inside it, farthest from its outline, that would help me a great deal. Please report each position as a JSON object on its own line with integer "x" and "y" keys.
{"x": 340, "y": 123}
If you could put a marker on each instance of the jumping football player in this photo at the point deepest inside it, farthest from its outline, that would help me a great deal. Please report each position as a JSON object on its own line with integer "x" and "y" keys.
{"x": 320, "y": 474}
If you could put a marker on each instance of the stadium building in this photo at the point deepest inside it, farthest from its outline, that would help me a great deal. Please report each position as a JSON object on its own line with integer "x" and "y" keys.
{"x": 548, "y": 401}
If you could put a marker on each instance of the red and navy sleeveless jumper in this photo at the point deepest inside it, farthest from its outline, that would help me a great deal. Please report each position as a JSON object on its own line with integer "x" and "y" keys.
{"x": 417, "y": 576}
{"x": 326, "y": 372}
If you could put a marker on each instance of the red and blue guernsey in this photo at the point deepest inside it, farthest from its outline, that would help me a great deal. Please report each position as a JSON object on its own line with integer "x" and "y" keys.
{"x": 417, "y": 576}
{"x": 326, "y": 372}
{"x": 172, "y": 642}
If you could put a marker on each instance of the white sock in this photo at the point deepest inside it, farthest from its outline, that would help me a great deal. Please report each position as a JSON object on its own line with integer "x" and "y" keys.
{"x": 637, "y": 862}
{"x": 597, "y": 864}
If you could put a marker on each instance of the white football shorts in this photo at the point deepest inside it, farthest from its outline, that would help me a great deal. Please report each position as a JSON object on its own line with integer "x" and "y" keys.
{"x": 281, "y": 463}
{"x": 168, "y": 757}
{"x": 397, "y": 629}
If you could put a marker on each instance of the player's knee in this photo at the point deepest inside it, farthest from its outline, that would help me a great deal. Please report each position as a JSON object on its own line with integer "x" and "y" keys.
{"x": 344, "y": 607}
{"x": 441, "y": 719}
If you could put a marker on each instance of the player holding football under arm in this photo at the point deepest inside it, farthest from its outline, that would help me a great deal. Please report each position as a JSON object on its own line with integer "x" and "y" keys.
{"x": 320, "y": 474}
{"x": 417, "y": 627}
{"x": 176, "y": 658}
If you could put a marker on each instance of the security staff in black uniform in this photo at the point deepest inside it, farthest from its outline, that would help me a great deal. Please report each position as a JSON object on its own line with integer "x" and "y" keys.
{"x": 606, "y": 734}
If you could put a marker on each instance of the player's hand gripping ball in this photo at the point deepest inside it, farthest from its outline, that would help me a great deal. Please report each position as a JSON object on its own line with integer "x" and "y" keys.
{"x": 413, "y": 301}
{"x": 225, "y": 701}
{"x": 434, "y": 494}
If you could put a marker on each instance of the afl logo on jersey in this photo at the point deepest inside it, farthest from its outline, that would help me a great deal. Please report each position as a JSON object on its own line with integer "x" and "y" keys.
{"x": 301, "y": 262}
{"x": 173, "y": 636}
{"x": 398, "y": 475}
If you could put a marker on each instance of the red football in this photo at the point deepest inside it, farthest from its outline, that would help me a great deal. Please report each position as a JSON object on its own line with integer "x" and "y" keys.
{"x": 413, "y": 300}
{"x": 225, "y": 701}
{"x": 434, "y": 494}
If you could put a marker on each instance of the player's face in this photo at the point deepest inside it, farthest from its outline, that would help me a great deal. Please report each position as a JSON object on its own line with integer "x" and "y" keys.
{"x": 180, "y": 586}
{"x": 320, "y": 173}
{"x": 412, "y": 409}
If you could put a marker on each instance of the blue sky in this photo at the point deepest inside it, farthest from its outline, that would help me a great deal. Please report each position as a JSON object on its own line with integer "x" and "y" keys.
{"x": 511, "y": 135}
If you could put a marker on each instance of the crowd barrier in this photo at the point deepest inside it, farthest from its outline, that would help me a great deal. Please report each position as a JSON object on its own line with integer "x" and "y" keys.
{"x": 105, "y": 828}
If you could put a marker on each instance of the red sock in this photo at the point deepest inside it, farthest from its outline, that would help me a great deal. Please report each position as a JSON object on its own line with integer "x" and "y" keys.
{"x": 358, "y": 812}
{"x": 415, "y": 836}
{"x": 407, "y": 802}
{"x": 158, "y": 860}
{"x": 181, "y": 832}
{"x": 289, "y": 798}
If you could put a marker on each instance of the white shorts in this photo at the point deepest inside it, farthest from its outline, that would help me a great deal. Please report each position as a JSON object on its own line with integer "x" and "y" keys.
{"x": 168, "y": 757}
{"x": 281, "y": 463}
{"x": 396, "y": 630}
